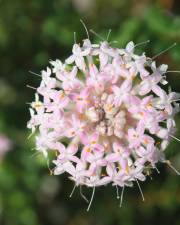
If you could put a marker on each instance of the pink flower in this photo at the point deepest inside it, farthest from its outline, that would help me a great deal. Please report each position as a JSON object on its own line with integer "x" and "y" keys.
{"x": 122, "y": 93}
{"x": 137, "y": 136}
{"x": 81, "y": 99}
{"x": 148, "y": 154}
{"x": 67, "y": 154}
{"x": 91, "y": 147}
{"x": 104, "y": 51}
{"x": 78, "y": 57}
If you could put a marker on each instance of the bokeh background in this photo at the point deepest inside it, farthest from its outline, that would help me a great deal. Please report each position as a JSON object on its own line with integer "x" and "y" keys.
{"x": 31, "y": 33}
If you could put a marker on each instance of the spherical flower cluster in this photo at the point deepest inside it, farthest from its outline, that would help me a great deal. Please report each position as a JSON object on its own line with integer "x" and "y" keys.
{"x": 104, "y": 114}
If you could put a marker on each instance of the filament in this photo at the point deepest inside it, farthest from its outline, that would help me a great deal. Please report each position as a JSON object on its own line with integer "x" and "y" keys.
{"x": 31, "y": 87}
{"x": 84, "y": 25}
{"x": 96, "y": 34}
{"x": 117, "y": 192}
{"x": 72, "y": 192}
{"x": 92, "y": 197}
{"x": 172, "y": 167}
{"x": 108, "y": 35}
{"x": 177, "y": 139}
{"x": 122, "y": 195}
{"x": 143, "y": 199}
{"x": 82, "y": 195}
{"x": 162, "y": 52}
{"x": 75, "y": 41}
{"x": 157, "y": 169}
{"x": 173, "y": 71}
{"x": 142, "y": 43}
{"x": 35, "y": 73}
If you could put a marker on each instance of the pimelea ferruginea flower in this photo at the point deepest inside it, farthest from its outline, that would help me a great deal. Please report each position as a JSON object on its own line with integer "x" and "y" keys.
{"x": 105, "y": 115}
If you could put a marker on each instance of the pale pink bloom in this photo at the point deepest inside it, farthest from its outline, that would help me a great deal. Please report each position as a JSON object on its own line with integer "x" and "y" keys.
{"x": 122, "y": 93}
{"x": 59, "y": 101}
{"x": 74, "y": 127}
{"x": 165, "y": 101}
{"x": 136, "y": 173}
{"x": 81, "y": 99}
{"x": 140, "y": 65}
{"x": 149, "y": 84}
{"x": 162, "y": 69}
{"x": 121, "y": 69}
{"x": 148, "y": 154}
{"x": 91, "y": 147}
{"x": 69, "y": 81}
{"x": 128, "y": 52}
{"x": 167, "y": 133}
{"x": 62, "y": 167}
{"x": 120, "y": 153}
{"x": 137, "y": 137}
{"x": 78, "y": 173}
{"x": 34, "y": 121}
{"x": 58, "y": 66}
{"x": 104, "y": 51}
{"x": 78, "y": 57}
{"x": 47, "y": 79}
{"x": 96, "y": 80}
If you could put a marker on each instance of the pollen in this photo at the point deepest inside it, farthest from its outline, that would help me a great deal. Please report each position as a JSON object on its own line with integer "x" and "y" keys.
{"x": 62, "y": 95}
{"x": 79, "y": 98}
{"x": 127, "y": 169}
{"x": 88, "y": 150}
{"x": 146, "y": 141}
{"x": 37, "y": 105}
{"x": 149, "y": 105}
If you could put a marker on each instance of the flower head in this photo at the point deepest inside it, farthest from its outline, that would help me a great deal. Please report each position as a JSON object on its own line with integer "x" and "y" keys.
{"x": 110, "y": 106}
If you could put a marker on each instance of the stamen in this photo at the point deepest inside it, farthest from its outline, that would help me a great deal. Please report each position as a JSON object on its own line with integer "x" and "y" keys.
{"x": 84, "y": 25}
{"x": 29, "y": 136}
{"x": 176, "y": 100}
{"x": 177, "y": 139}
{"x": 172, "y": 167}
{"x": 92, "y": 196}
{"x": 173, "y": 71}
{"x": 143, "y": 199}
{"x": 142, "y": 43}
{"x": 162, "y": 52}
{"x": 82, "y": 195}
{"x": 117, "y": 192}
{"x": 96, "y": 34}
{"x": 75, "y": 41}
{"x": 35, "y": 73}
{"x": 122, "y": 194}
{"x": 31, "y": 87}
{"x": 156, "y": 169}
{"x": 109, "y": 32}
{"x": 72, "y": 192}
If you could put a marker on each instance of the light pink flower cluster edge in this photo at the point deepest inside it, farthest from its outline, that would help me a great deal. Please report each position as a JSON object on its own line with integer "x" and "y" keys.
{"x": 105, "y": 115}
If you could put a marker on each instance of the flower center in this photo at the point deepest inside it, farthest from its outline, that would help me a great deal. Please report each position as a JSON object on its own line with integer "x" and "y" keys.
{"x": 107, "y": 119}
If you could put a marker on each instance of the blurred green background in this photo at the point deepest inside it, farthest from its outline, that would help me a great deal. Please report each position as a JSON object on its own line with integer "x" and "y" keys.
{"x": 31, "y": 33}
